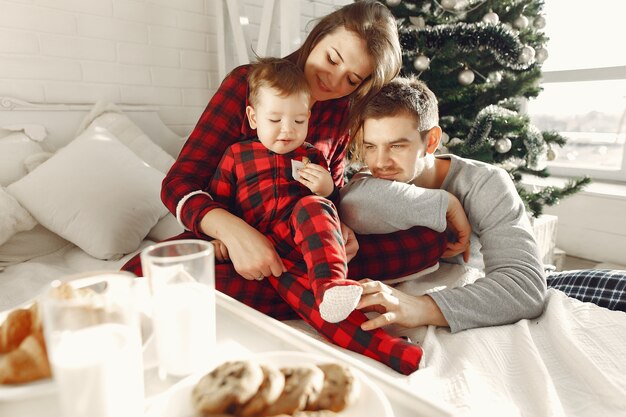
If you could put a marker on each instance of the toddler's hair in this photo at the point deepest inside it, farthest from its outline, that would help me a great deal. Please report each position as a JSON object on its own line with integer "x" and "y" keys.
{"x": 279, "y": 74}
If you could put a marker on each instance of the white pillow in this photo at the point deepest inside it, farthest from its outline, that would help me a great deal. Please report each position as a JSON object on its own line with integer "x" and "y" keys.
{"x": 166, "y": 228}
{"x": 95, "y": 193}
{"x": 14, "y": 148}
{"x": 14, "y": 217}
{"x": 107, "y": 116}
{"x": 30, "y": 244}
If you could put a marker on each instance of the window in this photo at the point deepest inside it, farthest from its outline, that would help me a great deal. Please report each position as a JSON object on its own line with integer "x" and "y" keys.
{"x": 584, "y": 84}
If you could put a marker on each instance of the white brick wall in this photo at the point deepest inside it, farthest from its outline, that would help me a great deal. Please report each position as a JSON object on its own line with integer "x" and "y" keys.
{"x": 157, "y": 52}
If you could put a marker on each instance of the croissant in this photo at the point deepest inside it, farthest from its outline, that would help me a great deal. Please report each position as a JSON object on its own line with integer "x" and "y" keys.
{"x": 29, "y": 362}
{"x": 15, "y": 328}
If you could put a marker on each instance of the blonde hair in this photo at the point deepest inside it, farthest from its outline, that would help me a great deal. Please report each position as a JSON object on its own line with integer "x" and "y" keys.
{"x": 374, "y": 23}
{"x": 279, "y": 74}
{"x": 402, "y": 96}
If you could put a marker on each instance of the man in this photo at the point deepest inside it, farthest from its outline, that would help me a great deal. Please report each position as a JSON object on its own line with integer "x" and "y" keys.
{"x": 397, "y": 144}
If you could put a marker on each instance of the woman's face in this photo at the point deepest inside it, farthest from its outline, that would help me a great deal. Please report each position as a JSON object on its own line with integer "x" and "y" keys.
{"x": 337, "y": 65}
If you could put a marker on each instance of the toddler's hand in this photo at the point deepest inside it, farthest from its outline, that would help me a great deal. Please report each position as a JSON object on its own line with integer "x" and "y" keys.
{"x": 221, "y": 251}
{"x": 317, "y": 179}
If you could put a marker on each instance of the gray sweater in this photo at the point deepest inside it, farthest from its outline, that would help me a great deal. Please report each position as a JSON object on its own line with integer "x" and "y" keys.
{"x": 502, "y": 241}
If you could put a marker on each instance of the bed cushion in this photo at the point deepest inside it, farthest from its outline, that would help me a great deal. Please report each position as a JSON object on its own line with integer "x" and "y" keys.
{"x": 108, "y": 116}
{"x": 14, "y": 217}
{"x": 96, "y": 193}
{"x": 14, "y": 148}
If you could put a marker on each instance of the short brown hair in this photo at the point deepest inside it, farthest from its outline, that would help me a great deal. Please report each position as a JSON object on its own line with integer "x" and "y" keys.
{"x": 279, "y": 74}
{"x": 403, "y": 95}
{"x": 373, "y": 22}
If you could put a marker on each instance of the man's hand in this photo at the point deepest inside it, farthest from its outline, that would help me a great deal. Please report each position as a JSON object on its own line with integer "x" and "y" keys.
{"x": 350, "y": 242}
{"x": 460, "y": 226}
{"x": 317, "y": 179}
{"x": 395, "y": 306}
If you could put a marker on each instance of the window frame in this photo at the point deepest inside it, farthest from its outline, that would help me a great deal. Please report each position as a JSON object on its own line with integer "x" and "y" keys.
{"x": 580, "y": 75}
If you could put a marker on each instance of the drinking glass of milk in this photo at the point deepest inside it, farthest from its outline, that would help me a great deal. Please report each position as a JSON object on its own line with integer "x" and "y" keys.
{"x": 94, "y": 345}
{"x": 181, "y": 276}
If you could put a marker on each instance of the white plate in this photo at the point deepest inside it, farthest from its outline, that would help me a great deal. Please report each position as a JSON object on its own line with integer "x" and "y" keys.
{"x": 176, "y": 402}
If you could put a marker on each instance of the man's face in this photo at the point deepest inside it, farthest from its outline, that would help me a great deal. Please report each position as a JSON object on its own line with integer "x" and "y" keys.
{"x": 393, "y": 148}
{"x": 281, "y": 122}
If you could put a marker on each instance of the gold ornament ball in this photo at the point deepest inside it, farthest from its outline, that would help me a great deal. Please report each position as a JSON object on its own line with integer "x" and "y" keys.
{"x": 393, "y": 3}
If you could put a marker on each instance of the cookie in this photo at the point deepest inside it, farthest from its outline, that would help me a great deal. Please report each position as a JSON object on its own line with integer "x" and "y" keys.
{"x": 340, "y": 388}
{"x": 302, "y": 385}
{"x": 227, "y": 387}
{"x": 268, "y": 393}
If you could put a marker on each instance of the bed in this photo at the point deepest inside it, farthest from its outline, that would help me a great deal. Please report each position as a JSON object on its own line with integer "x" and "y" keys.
{"x": 80, "y": 192}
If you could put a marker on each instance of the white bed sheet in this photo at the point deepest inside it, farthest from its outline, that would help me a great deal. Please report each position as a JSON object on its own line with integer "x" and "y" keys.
{"x": 570, "y": 361}
{"x": 22, "y": 282}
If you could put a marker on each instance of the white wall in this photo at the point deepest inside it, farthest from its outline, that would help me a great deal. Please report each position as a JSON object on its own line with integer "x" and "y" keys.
{"x": 592, "y": 225}
{"x": 157, "y": 52}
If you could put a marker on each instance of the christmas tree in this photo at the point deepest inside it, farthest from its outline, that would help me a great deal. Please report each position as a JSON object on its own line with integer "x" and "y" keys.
{"x": 481, "y": 57}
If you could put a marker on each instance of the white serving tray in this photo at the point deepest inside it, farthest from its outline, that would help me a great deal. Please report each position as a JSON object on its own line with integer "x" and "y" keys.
{"x": 241, "y": 327}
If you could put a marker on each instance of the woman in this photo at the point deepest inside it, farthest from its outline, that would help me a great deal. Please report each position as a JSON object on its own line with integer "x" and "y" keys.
{"x": 348, "y": 56}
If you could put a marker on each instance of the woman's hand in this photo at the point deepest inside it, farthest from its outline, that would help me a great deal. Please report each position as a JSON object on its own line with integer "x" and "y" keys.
{"x": 317, "y": 179}
{"x": 251, "y": 253}
{"x": 395, "y": 306}
{"x": 460, "y": 226}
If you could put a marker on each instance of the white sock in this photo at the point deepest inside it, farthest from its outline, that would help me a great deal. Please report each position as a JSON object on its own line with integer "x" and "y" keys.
{"x": 339, "y": 302}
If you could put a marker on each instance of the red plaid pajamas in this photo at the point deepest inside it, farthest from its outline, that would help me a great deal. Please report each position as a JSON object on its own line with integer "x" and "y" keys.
{"x": 380, "y": 256}
{"x": 257, "y": 185}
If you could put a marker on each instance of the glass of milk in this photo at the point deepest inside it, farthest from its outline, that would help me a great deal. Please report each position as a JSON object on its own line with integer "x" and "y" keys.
{"x": 94, "y": 345}
{"x": 181, "y": 276}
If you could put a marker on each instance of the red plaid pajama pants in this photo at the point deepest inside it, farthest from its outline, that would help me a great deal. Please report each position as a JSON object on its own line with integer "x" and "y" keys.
{"x": 379, "y": 257}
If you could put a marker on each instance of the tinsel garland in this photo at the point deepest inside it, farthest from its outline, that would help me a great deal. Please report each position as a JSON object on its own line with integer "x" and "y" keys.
{"x": 484, "y": 122}
{"x": 535, "y": 145}
{"x": 501, "y": 42}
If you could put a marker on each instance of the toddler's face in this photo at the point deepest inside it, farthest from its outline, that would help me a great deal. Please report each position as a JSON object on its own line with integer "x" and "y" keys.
{"x": 281, "y": 122}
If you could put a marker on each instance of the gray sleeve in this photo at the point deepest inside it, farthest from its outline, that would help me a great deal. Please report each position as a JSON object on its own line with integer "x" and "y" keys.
{"x": 371, "y": 205}
{"x": 514, "y": 285}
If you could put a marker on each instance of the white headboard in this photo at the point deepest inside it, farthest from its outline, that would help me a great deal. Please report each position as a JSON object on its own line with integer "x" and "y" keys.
{"x": 62, "y": 121}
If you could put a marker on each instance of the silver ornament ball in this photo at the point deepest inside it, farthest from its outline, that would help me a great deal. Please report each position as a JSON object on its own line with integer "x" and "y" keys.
{"x": 491, "y": 18}
{"x": 466, "y": 77}
{"x": 539, "y": 22}
{"x": 418, "y": 22}
{"x": 393, "y": 3}
{"x": 541, "y": 54}
{"x": 421, "y": 63}
{"x": 503, "y": 145}
{"x": 521, "y": 22}
{"x": 448, "y": 4}
{"x": 526, "y": 55}
{"x": 455, "y": 142}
